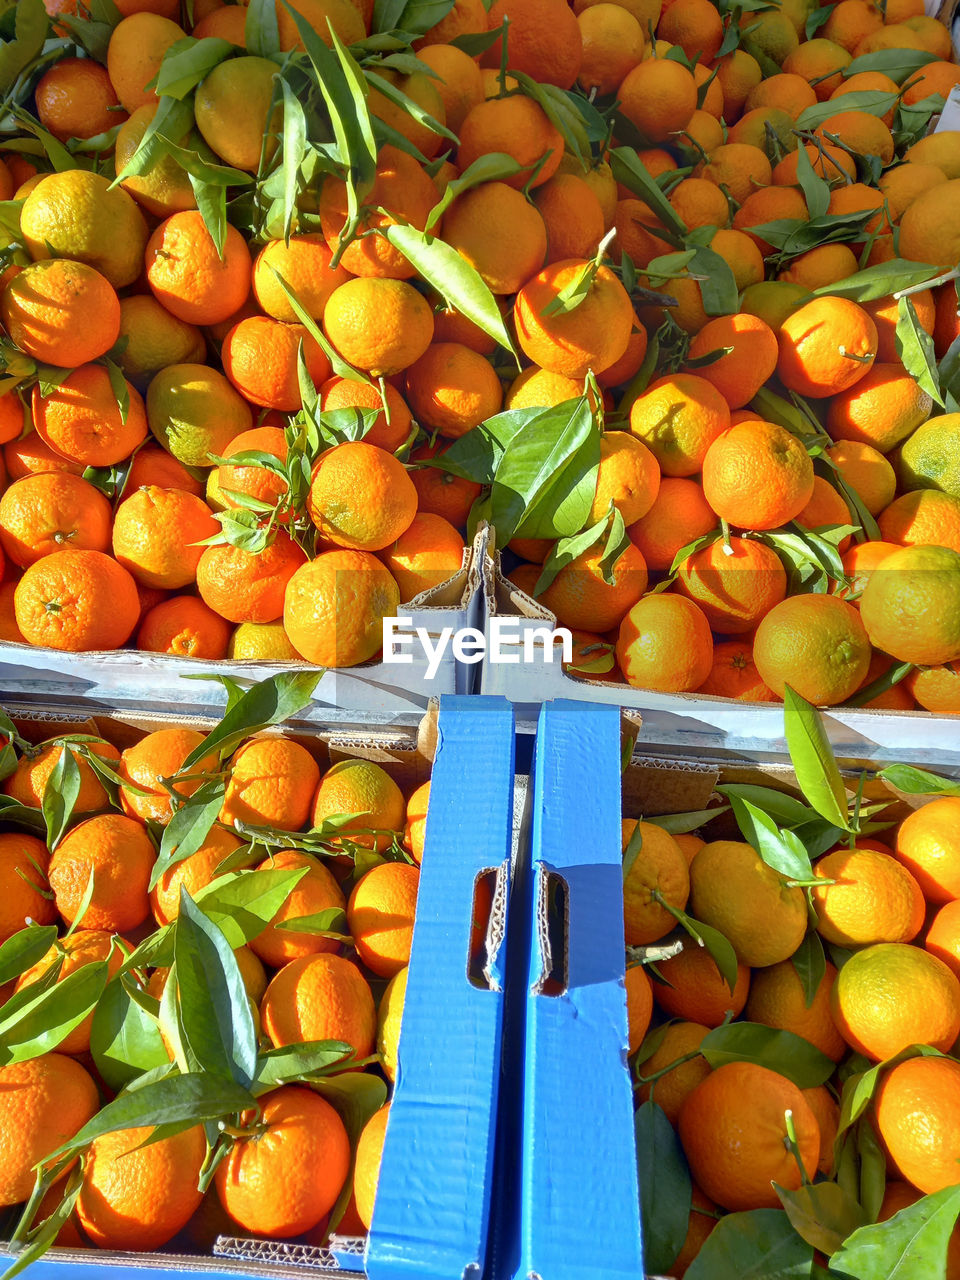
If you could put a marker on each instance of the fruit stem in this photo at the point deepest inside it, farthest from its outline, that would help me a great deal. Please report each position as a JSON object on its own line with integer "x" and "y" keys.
{"x": 928, "y": 284}
{"x": 639, "y": 1080}
{"x": 790, "y": 1142}
{"x": 725, "y": 531}
{"x": 850, "y": 355}
{"x": 503, "y": 57}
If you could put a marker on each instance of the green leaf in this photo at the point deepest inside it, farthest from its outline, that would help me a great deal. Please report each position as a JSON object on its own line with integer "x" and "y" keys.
{"x": 178, "y": 1099}
{"x": 294, "y": 150}
{"x": 124, "y": 1040}
{"x": 813, "y": 760}
{"x": 356, "y": 1096}
{"x": 331, "y": 923}
{"x": 43, "y": 1022}
{"x": 337, "y": 363}
{"x": 189, "y": 827}
{"x": 458, "y": 283}
{"x": 409, "y": 105}
{"x": 815, "y": 189}
{"x": 188, "y": 62}
{"x": 214, "y": 1005}
{"x": 632, "y": 851}
{"x": 204, "y": 171}
{"x": 859, "y": 1088}
{"x": 873, "y": 1169}
{"x": 719, "y": 947}
{"x": 912, "y": 1245}
{"x": 895, "y": 63}
{"x": 172, "y": 119}
{"x": 296, "y": 1062}
{"x": 780, "y": 850}
{"x": 30, "y": 32}
{"x": 474, "y": 44}
{"x": 60, "y": 796}
{"x": 888, "y": 680}
{"x": 22, "y": 951}
{"x": 873, "y": 101}
{"x": 915, "y": 348}
{"x": 561, "y": 112}
{"x": 918, "y": 782}
{"x": 718, "y": 288}
{"x": 822, "y": 1214}
{"x": 810, "y": 963}
{"x": 212, "y": 205}
{"x": 630, "y": 171}
{"x": 679, "y": 824}
{"x": 264, "y": 704}
{"x": 665, "y": 1188}
{"x": 785, "y": 809}
{"x": 566, "y": 550}
{"x": 758, "y": 1245}
{"x": 242, "y": 903}
{"x": 879, "y": 281}
{"x": 261, "y": 32}
{"x": 782, "y": 1051}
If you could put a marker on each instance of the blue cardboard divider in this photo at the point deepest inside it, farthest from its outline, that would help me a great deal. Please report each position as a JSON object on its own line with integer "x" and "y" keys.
{"x": 568, "y": 1203}
{"x": 432, "y": 1213}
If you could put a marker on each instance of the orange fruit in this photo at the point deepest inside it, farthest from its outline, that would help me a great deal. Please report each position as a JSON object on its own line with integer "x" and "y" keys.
{"x": 138, "y": 1197}
{"x": 829, "y": 162}
{"x": 348, "y": 393}
{"x": 24, "y": 861}
{"x": 361, "y": 497}
{"x": 421, "y": 89}
{"x": 544, "y": 39}
{"x": 820, "y": 267}
{"x": 636, "y": 226}
{"x": 349, "y": 21}
{"x": 826, "y": 507}
{"x": 594, "y": 335}
{"x": 272, "y": 782}
{"x": 680, "y": 514}
{"x": 81, "y": 420}
{"x": 156, "y": 534}
{"x": 867, "y": 471}
{"x": 734, "y": 588}
{"x": 255, "y": 481}
{"x": 76, "y": 600}
{"x": 44, "y": 1103}
{"x": 380, "y": 915}
{"x": 664, "y": 643}
{"x": 581, "y": 598}
{"x": 902, "y": 185}
{"x": 365, "y": 789}
{"x": 695, "y": 26}
{"x": 639, "y": 1006}
{"x": 41, "y": 514}
{"x": 885, "y": 313}
{"x": 119, "y": 855}
{"x": 75, "y": 99}
{"x": 572, "y": 215}
{"x": 739, "y": 167}
{"x": 925, "y": 517}
{"x": 734, "y": 673}
{"x": 874, "y": 899}
{"x": 517, "y": 127}
{"x": 260, "y": 358}
{"x": 379, "y": 325}
{"x": 366, "y": 1174}
{"x": 193, "y": 873}
{"x": 247, "y": 586}
{"x": 929, "y": 229}
{"x": 817, "y": 644}
{"x": 733, "y": 1128}
{"x": 29, "y": 780}
{"x": 659, "y": 866}
{"x": 912, "y": 609}
{"x": 613, "y": 44}
{"x": 740, "y": 373}
{"x": 769, "y": 204}
{"x": 499, "y": 232}
{"x": 165, "y": 187}
{"x": 440, "y": 492}
{"x": 316, "y": 892}
{"x": 787, "y": 91}
{"x": 12, "y": 417}
{"x": 927, "y": 845}
{"x": 404, "y": 190}
{"x": 628, "y": 476}
{"x": 428, "y": 552}
{"x": 86, "y": 946}
{"x": 61, "y": 312}
{"x": 820, "y": 62}
{"x": 892, "y": 995}
{"x": 451, "y": 389}
{"x": 850, "y": 21}
{"x": 936, "y": 688}
{"x": 735, "y": 891}
{"x": 882, "y": 408}
{"x": 156, "y": 758}
{"x": 757, "y": 475}
{"x": 864, "y": 133}
{"x": 154, "y": 340}
{"x": 152, "y": 465}
{"x": 261, "y": 641}
{"x": 896, "y": 698}
{"x": 282, "y": 1181}
{"x": 702, "y": 1221}
{"x": 320, "y": 997}
{"x": 935, "y": 78}
{"x": 696, "y": 990}
{"x": 916, "y": 1113}
{"x": 234, "y": 111}
{"x": 826, "y": 347}
{"x": 303, "y": 263}
{"x": 334, "y": 607}
{"x": 189, "y": 277}
{"x": 136, "y": 49}
{"x": 415, "y": 823}
{"x": 679, "y": 1039}
{"x": 460, "y": 84}
{"x": 678, "y": 418}
{"x": 777, "y": 999}
{"x": 658, "y": 97}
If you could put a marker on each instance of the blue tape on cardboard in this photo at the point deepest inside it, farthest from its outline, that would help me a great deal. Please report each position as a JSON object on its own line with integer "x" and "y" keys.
{"x": 433, "y": 1204}
{"x": 577, "y": 1160}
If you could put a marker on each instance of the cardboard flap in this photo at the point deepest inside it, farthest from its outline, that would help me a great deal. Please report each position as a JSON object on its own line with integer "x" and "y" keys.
{"x": 432, "y": 1209}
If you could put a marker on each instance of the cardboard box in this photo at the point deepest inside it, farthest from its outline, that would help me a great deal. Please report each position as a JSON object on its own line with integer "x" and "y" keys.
{"x": 432, "y": 1210}
{"x": 374, "y": 692}
{"x": 681, "y": 723}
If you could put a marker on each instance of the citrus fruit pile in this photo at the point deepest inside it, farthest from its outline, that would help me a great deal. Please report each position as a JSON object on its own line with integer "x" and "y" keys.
{"x": 800, "y": 1085}
{"x": 204, "y": 941}
{"x": 294, "y": 295}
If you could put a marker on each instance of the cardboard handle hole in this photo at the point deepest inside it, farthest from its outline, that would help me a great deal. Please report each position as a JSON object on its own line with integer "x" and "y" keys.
{"x": 552, "y": 933}
{"x": 484, "y": 942}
